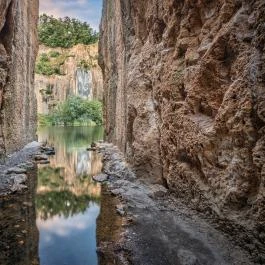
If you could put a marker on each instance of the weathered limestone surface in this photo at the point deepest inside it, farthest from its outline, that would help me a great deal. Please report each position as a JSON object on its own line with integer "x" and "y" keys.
{"x": 18, "y": 47}
{"x": 80, "y": 75}
{"x": 184, "y": 94}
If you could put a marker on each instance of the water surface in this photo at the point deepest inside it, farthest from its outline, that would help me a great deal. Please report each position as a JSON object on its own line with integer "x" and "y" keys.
{"x": 67, "y": 200}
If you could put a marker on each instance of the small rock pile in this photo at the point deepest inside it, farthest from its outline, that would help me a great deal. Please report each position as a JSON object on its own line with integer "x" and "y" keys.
{"x": 43, "y": 157}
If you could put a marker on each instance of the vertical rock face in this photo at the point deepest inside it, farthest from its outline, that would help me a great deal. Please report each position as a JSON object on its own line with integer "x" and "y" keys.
{"x": 78, "y": 74}
{"x": 18, "y": 47}
{"x": 184, "y": 94}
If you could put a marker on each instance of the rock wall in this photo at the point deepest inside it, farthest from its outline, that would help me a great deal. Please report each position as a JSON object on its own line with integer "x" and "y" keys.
{"x": 184, "y": 98}
{"x": 79, "y": 75}
{"x": 18, "y": 47}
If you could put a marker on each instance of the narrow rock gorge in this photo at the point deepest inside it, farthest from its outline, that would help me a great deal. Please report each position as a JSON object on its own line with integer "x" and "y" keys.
{"x": 18, "y": 48}
{"x": 62, "y": 72}
{"x": 184, "y": 99}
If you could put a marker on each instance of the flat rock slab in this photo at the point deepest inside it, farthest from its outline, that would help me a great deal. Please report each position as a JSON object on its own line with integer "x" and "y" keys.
{"x": 41, "y": 157}
{"x": 18, "y": 164}
{"x": 16, "y": 170}
{"x": 100, "y": 178}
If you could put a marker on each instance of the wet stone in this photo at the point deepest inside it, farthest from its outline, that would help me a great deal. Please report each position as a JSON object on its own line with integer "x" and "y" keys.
{"x": 16, "y": 170}
{"x": 50, "y": 153}
{"x": 117, "y": 192}
{"x": 44, "y": 162}
{"x": 41, "y": 157}
{"x": 120, "y": 210}
{"x": 100, "y": 178}
{"x": 91, "y": 149}
{"x": 27, "y": 165}
{"x": 18, "y": 182}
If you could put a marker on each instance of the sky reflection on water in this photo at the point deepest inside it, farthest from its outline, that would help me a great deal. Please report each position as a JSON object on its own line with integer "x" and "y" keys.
{"x": 67, "y": 200}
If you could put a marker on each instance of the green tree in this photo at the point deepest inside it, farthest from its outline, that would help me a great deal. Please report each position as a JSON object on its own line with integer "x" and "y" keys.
{"x": 75, "y": 110}
{"x": 65, "y": 32}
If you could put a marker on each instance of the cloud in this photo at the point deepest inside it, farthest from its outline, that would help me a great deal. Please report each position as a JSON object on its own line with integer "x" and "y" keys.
{"x": 85, "y": 10}
{"x": 63, "y": 227}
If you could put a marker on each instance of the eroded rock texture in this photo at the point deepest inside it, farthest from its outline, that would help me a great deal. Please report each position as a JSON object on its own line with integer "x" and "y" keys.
{"x": 18, "y": 46}
{"x": 185, "y": 97}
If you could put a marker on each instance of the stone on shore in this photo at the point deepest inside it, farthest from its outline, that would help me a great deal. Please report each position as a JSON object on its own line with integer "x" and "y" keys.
{"x": 41, "y": 157}
{"x": 100, "y": 178}
{"x": 16, "y": 170}
{"x": 18, "y": 182}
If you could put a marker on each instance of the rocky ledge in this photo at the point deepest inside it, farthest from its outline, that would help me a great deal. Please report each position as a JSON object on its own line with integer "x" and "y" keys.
{"x": 157, "y": 229}
{"x": 14, "y": 170}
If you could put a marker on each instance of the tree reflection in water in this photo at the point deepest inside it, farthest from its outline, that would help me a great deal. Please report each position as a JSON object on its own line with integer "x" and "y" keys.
{"x": 67, "y": 200}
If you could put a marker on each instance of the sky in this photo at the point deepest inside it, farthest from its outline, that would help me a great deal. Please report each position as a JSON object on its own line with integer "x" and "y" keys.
{"x": 85, "y": 10}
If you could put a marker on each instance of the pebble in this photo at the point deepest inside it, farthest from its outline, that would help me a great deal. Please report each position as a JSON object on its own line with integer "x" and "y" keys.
{"x": 116, "y": 192}
{"x": 100, "y": 178}
{"x": 120, "y": 210}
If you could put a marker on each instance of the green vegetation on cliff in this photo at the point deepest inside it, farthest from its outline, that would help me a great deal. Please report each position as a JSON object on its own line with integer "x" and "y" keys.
{"x": 74, "y": 111}
{"x": 47, "y": 64}
{"x": 65, "y": 32}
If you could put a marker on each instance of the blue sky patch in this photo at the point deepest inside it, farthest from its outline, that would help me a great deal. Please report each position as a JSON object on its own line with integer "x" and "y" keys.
{"x": 85, "y": 10}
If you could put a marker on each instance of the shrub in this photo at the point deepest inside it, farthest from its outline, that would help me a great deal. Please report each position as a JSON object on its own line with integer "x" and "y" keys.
{"x": 74, "y": 111}
{"x": 50, "y": 64}
{"x": 54, "y": 54}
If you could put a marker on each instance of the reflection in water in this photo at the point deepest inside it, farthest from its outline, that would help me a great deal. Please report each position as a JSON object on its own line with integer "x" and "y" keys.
{"x": 18, "y": 231}
{"x": 67, "y": 200}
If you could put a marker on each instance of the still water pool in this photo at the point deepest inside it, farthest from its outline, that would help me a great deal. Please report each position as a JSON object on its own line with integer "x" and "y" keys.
{"x": 67, "y": 200}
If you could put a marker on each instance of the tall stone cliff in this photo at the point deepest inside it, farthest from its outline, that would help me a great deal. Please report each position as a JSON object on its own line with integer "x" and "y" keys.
{"x": 76, "y": 73}
{"x": 18, "y": 47}
{"x": 184, "y": 98}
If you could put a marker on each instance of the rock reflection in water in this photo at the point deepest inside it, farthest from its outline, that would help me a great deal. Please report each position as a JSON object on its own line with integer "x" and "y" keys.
{"x": 18, "y": 232}
{"x": 67, "y": 199}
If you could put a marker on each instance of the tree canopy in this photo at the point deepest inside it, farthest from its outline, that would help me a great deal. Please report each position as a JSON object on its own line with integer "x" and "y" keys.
{"x": 75, "y": 110}
{"x": 64, "y": 32}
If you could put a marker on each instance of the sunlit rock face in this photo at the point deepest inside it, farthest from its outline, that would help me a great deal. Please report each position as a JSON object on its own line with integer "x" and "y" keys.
{"x": 18, "y": 48}
{"x": 184, "y": 97}
{"x": 79, "y": 75}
